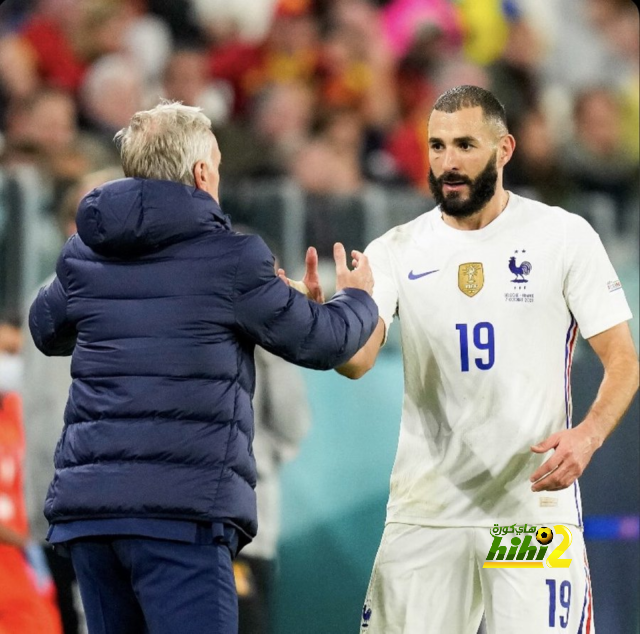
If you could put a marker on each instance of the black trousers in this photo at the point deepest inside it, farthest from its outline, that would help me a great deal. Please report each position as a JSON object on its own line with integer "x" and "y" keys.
{"x": 67, "y": 591}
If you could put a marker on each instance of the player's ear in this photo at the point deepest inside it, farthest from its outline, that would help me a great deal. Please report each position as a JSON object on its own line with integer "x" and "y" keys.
{"x": 506, "y": 147}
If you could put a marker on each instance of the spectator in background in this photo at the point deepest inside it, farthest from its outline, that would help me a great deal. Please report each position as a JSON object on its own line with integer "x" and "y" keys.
{"x": 45, "y": 391}
{"x": 356, "y": 72}
{"x": 536, "y": 169}
{"x": 356, "y": 69}
{"x": 596, "y": 158}
{"x": 330, "y": 163}
{"x": 186, "y": 80}
{"x": 268, "y": 146}
{"x": 49, "y": 33}
{"x": 579, "y": 52}
{"x": 407, "y": 142}
{"x": 42, "y": 131}
{"x": 102, "y": 28}
{"x": 457, "y": 70}
{"x": 289, "y": 53}
{"x": 27, "y": 600}
{"x": 10, "y": 360}
{"x": 180, "y": 15}
{"x": 147, "y": 40}
{"x": 617, "y": 20}
{"x": 403, "y": 19}
{"x": 514, "y": 76}
{"x": 18, "y": 78}
{"x": 119, "y": 78}
{"x": 249, "y": 20}
{"x": 65, "y": 36}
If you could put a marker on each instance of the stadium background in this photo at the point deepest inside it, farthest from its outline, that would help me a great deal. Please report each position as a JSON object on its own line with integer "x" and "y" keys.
{"x": 320, "y": 109}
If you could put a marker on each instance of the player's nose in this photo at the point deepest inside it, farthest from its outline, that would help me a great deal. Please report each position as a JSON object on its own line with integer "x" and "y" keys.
{"x": 450, "y": 161}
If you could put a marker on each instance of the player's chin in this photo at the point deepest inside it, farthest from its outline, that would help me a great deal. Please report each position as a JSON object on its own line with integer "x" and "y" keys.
{"x": 456, "y": 196}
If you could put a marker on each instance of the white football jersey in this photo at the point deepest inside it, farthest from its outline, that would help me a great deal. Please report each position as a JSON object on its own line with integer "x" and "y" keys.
{"x": 489, "y": 321}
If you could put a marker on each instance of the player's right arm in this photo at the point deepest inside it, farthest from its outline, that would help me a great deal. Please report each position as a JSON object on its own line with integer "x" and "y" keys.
{"x": 385, "y": 294}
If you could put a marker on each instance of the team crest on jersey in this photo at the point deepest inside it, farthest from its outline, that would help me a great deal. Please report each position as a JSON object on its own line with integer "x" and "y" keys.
{"x": 520, "y": 269}
{"x": 470, "y": 278}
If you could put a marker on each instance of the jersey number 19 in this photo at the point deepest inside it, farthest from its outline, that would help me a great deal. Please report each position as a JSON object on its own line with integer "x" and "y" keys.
{"x": 483, "y": 340}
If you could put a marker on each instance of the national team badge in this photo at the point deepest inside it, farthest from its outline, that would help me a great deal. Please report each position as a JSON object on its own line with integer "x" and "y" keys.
{"x": 470, "y": 278}
{"x": 519, "y": 270}
{"x": 520, "y": 267}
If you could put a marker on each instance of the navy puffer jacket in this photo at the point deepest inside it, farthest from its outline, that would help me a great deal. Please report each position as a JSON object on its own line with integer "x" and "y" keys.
{"x": 161, "y": 305}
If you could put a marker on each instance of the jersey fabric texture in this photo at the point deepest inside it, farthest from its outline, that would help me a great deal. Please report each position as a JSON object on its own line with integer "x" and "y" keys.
{"x": 161, "y": 305}
{"x": 489, "y": 320}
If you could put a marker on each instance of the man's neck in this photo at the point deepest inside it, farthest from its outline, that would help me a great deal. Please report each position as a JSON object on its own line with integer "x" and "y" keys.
{"x": 482, "y": 218}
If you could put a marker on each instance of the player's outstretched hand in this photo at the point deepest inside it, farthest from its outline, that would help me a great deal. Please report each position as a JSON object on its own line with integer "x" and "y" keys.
{"x": 310, "y": 284}
{"x": 361, "y": 277}
{"x": 574, "y": 449}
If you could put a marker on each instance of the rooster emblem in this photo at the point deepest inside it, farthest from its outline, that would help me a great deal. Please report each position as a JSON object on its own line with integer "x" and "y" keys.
{"x": 519, "y": 271}
{"x": 366, "y": 616}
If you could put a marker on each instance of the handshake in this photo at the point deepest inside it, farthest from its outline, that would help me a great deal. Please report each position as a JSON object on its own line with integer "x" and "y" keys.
{"x": 360, "y": 277}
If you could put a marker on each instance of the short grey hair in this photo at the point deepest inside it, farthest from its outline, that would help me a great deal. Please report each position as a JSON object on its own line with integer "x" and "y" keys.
{"x": 164, "y": 143}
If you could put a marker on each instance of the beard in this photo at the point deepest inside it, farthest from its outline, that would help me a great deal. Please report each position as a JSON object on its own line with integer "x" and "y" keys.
{"x": 481, "y": 190}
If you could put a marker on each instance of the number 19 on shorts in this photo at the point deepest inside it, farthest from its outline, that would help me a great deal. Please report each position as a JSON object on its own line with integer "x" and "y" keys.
{"x": 483, "y": 342}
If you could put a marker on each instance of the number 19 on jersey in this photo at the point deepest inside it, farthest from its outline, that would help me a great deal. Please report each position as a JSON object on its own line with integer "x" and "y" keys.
{"x": 483, "y": 342}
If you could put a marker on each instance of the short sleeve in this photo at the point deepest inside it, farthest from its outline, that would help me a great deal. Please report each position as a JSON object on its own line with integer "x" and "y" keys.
{"x": 385, "y": 291}
{"x": 592, "y": 289}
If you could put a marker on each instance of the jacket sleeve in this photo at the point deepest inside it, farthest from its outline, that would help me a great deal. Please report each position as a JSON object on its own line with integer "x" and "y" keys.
{"x": 52, "y": 331}
{"x": 286, "y": 323}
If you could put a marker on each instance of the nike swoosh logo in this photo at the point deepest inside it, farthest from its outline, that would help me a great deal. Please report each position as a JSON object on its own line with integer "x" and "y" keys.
{"x": 417, "y": 276}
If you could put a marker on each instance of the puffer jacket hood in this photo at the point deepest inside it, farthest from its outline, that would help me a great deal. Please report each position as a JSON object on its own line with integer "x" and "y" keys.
{"x": 135, "y": 216}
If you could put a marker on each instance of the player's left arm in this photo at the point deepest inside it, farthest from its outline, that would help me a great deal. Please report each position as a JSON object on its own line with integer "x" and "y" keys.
{"x": 575, "y": 447}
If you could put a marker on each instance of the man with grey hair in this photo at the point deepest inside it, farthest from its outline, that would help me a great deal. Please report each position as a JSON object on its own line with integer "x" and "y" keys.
{"x": 161, "y": 304}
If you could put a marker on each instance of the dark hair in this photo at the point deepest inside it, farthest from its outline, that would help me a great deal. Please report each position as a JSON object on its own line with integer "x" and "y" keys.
{"x": 471, "y": 97}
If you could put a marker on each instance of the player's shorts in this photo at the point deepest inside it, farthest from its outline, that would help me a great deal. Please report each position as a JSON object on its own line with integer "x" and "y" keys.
{"x": 429, "y": 580}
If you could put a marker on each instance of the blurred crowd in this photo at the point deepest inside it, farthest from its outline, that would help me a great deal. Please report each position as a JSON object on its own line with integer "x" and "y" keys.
{"x": 332, "y": 93}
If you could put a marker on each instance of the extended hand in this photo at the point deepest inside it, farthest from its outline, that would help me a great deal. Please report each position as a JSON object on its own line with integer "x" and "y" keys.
{"x": 310, "y": 285}
{"x": 361, "y": 277}
{"x": 574, "y": 449}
